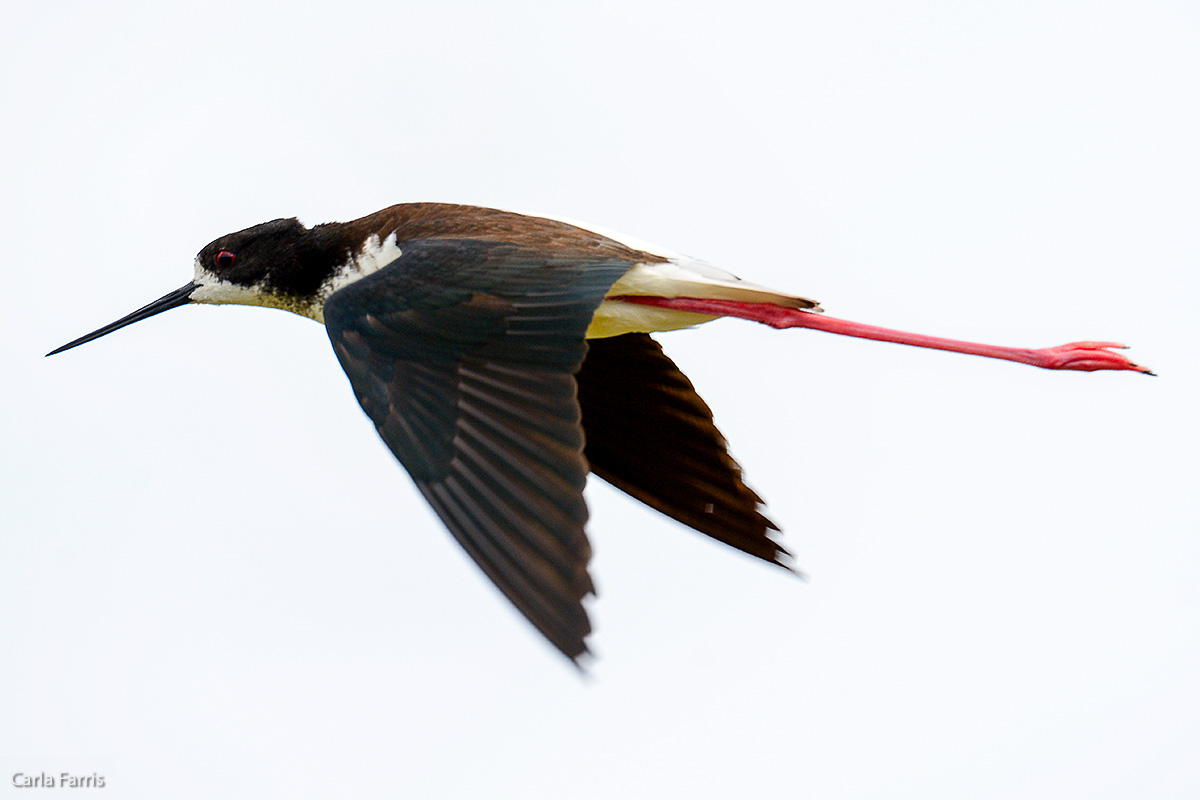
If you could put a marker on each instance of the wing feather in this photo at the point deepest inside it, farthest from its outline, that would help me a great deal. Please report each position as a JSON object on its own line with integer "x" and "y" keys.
{"x": 650, "y": 435}
{"x": 463, "y": 353}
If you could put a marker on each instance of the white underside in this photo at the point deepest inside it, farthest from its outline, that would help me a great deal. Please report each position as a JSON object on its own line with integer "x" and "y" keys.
{"x": 681, "y": 276}
{"x": 685, "y": 277}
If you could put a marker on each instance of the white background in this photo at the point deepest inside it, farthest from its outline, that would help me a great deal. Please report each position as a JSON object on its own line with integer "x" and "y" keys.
{"x": 215, "y": 581}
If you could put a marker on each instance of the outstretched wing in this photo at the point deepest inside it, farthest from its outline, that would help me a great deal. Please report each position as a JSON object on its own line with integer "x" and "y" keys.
{"x": 463, "y": 354}
{"x": 650, "y": 435}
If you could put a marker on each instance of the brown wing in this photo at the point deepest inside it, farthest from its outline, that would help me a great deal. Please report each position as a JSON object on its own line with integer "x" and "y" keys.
{"x": 649, "y": 434}
{"x": 462, "y": 352}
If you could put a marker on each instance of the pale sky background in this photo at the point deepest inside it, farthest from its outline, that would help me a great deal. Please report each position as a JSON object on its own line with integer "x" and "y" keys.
{"x": 216, "y": 582}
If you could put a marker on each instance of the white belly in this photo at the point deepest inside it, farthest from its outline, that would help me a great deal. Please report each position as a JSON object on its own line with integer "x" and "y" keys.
{"x": 680, "y": 277}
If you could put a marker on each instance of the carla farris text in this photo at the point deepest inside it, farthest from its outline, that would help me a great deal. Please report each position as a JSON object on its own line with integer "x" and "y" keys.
{"x": 63, "y": 780}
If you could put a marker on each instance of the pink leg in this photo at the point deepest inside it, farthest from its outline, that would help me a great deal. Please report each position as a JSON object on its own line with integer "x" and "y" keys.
{"x": 1086, "y": 356}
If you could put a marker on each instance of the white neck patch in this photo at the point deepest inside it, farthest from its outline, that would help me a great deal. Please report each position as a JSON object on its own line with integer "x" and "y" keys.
{"x": 374, "y": 256}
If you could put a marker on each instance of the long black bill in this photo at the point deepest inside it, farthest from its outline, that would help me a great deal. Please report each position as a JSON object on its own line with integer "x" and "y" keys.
{"x": 179, "y": 297}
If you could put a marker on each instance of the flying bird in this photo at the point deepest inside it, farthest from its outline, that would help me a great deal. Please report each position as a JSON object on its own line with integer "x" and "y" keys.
{"x": 502, "y": 357}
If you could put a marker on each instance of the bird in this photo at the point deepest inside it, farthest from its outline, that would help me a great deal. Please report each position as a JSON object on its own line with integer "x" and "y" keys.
{"x": 502, "y": 357}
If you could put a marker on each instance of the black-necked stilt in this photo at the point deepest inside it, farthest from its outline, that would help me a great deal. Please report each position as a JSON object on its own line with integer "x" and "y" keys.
{"x": 502, "y": 357}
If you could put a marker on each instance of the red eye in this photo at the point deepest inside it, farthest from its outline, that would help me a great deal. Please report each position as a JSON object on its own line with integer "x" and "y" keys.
{"x": 224, "y": 259}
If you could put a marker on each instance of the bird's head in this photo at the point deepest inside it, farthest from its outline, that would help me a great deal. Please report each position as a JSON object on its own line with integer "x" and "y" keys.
{"x": 278, "y": 264}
